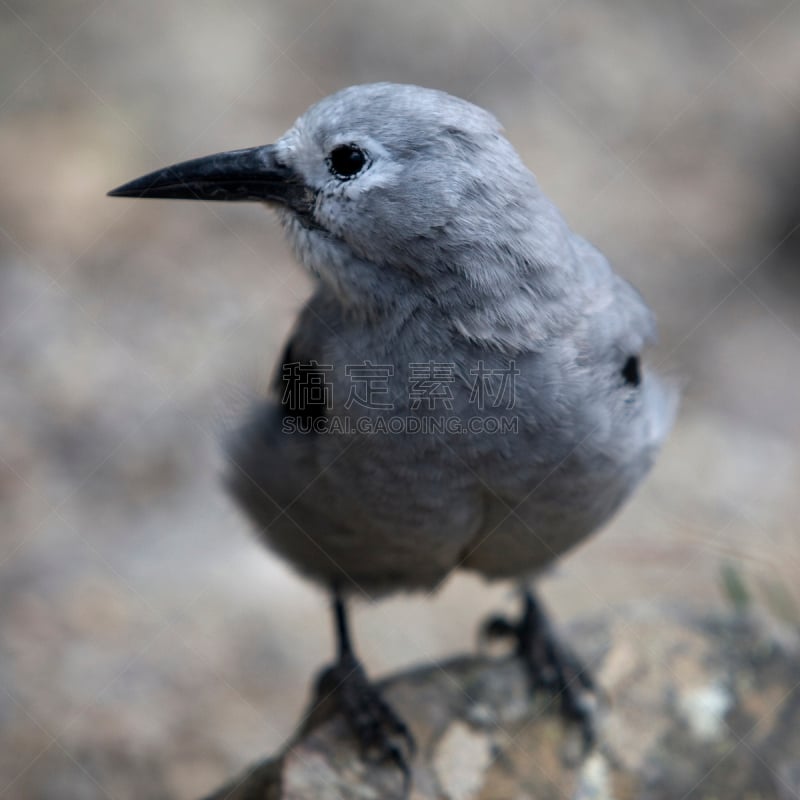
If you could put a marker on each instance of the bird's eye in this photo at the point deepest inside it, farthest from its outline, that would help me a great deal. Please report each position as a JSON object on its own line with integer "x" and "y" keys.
{"x": 346, "y": 160}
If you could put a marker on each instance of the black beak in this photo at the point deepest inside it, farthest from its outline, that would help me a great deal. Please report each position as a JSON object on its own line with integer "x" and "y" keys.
{"x": 253, "y": 174}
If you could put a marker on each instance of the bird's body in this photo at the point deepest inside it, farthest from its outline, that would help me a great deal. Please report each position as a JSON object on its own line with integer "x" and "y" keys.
{"x": 386, "y": 510}
{"x": 477, "y": 267}
{"x": 512, "y": 414}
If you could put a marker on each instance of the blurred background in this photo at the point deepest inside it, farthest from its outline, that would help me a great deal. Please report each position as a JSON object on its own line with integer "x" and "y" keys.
{"x": 148, "y": 645}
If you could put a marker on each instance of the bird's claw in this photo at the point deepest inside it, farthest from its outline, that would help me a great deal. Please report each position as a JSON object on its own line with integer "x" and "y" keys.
{"x": 381, "y": 733}
{"x": 499, "y": 627}
{"x": 550, "y": 666}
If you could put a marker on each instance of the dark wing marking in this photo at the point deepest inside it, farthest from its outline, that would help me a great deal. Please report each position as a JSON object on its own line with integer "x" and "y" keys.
{"x": 302, "y": 386}
{"x": 631, "y": 371}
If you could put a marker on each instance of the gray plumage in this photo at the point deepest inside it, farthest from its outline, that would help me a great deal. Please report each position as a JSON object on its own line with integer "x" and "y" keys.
{"x": 442, "y": 248}
{"x": 434, "y": 249}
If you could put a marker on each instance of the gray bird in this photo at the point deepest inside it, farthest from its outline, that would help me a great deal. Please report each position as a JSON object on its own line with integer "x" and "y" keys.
{"x": 464, "y": 388}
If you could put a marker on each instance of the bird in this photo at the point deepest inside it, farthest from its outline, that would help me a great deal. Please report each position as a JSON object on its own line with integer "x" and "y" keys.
{"x": 465, "y": 388}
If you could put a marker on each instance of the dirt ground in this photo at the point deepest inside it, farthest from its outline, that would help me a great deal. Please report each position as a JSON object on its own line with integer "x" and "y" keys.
{"x": 148, "y": 645}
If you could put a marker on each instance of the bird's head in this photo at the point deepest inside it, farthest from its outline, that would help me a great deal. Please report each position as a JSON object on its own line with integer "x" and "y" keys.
{"x": 383, "y": 183}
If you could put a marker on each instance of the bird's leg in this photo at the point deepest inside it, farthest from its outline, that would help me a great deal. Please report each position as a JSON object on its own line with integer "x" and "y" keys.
{"x": 377, "y": 727}
{"x": 549, "y": 664}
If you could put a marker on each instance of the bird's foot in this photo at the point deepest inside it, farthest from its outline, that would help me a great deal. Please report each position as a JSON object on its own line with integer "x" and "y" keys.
{"x": 381, "y": 733}
{"x": 550, "y": 666}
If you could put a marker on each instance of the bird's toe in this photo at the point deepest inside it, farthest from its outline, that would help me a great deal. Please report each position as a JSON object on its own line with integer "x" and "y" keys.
{"x": 381, "y": 733}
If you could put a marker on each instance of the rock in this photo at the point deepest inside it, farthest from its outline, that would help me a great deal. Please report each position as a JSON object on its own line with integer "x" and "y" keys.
{"x": 696, "y": 707}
